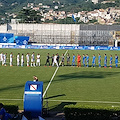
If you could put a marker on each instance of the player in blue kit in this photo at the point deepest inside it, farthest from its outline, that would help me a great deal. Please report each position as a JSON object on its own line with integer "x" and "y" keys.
{"x": 84, "y": 60}
{"x": 116, "y": 60}
{"x": 99, "y": 60}
{"x": 93, "y": 61}
{"x": 87, "y": 60}
{"x": 73, "y": 60}
{"x": 110, "y": 61}
{"x": 105, "y": 61}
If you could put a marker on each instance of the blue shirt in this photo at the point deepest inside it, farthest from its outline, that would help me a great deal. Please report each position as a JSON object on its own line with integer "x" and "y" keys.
{"x": 99, "y": 58}
{"x": 93, "y": 59}
{"x": 116, "y": 59}
{"x": 110, "y": 59}
{"x": 83, "y": 59}
{"x": 87, "y": 59}
{"x": 105, "y": 59}
{"x": 73, "y": 58}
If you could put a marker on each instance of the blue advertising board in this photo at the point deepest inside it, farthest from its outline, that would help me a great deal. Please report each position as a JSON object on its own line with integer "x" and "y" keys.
{"x": 61, "y": 47}
{"x": 21, "y": 40}
{"x": 6, "y": 38}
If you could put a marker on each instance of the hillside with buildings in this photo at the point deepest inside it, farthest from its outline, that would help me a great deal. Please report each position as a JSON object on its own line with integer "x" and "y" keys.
{"x": 61, "y": 11}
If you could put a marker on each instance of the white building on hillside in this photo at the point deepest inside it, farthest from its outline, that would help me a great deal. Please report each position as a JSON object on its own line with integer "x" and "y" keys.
{"x": 95, "y": 1}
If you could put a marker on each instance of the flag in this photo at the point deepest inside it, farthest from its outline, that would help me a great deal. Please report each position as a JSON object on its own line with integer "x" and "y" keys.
{"x": 40, "y": 118}
{"x": 73, "y": 18}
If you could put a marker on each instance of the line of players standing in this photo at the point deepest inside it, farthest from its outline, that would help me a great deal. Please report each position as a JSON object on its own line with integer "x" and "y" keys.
{"x": 20, "y": 60}
{"x": 55, "y": 60}
{"x": 34, "y": 61}
{"x": 86, "y": 60}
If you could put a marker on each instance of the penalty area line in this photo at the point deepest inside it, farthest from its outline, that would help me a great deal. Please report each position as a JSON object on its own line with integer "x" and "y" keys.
{"x": 52, "y": 78}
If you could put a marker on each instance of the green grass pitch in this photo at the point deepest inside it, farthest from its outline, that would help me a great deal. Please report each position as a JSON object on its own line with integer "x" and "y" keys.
{"x": 71, "y": 85}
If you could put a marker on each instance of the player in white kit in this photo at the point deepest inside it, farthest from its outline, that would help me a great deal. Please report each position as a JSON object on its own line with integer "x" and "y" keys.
{"x": 18, "y": 59}
{"x": 11, "y": 59}
{"x": 38, "y": 60}
{"x": 22, "y": 60}
{"x": 28, "y": 59}
{"x": 4, "y": 59}
{"x": 1, "y": 56}
{"x": 33, "y": 59}
{"x": 55, "y": 61}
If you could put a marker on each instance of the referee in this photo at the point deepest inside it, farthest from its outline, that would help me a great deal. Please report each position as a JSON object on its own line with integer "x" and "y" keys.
{"x": 47, "y": 60}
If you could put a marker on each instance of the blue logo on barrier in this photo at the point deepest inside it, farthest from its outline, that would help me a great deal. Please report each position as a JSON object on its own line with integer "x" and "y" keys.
{"x": 67, "y": 47}
{"x": 21, "y": 40}
{"x": 79, "y": 47}
{"x": 6, "y": 38}
{"x": 101, "y": 48}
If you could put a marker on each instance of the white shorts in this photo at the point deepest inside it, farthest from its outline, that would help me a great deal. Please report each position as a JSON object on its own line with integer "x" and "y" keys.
{"x": 11, "y": 59}
{"x": 32, "y": 60}
{"x": 38, "y": 60}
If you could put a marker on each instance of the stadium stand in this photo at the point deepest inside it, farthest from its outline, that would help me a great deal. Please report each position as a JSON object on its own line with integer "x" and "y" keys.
{"x": 67, "y": 34}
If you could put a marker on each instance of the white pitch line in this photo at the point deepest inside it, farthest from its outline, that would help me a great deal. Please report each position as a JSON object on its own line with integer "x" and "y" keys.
{"x": 52, "y": 78}
{"x": 12, "y": 99}
{"x": 106, "y": 102}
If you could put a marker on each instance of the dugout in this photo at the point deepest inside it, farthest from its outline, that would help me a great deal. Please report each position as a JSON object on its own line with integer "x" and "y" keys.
{"x": 33, "y": 100}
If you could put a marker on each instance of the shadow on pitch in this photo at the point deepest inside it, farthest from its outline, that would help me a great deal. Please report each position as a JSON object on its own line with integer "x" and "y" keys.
{"x": 55, "y": 96}
{"x": 81, "y": 75}
{"x": 60, "y": 106}
{"x": 84, "y": 74}
{"x": 10, "y": 87}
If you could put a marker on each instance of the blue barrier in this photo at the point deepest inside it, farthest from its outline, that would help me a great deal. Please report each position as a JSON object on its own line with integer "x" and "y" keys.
{"x": 61, "y": 47}
{"x": 33, "y": 99}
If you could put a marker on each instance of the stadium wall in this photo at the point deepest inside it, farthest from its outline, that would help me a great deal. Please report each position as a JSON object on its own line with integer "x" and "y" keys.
{"x": 94, "y": 35}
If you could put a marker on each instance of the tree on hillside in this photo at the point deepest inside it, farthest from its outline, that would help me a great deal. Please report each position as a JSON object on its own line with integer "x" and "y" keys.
{"x": 29, "y": 16}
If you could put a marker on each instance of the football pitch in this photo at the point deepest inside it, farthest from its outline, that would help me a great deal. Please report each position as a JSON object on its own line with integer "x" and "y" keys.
{"x": 70, "y": 85}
